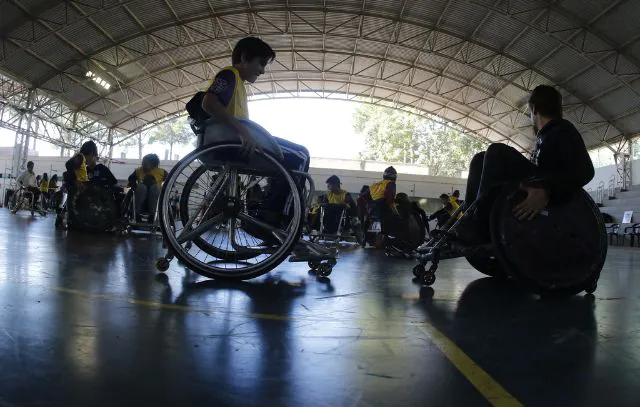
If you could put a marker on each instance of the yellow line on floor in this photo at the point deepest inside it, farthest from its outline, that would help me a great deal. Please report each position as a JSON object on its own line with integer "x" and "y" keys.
{"x": 485, "y": 384}
{"x": 481, "y": 380}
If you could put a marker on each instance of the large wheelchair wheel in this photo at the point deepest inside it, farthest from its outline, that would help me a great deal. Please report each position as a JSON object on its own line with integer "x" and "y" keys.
{"x": 489, "y": 265}
{"x": 92, "y": 209}
{"x": 215, "y": 234}
{"x": 562, "y": 250}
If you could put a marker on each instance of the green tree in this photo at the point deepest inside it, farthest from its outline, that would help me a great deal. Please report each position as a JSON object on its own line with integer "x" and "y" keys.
{"x": 175, "y": 132}
{"x": 395, "y": 136}
{"x": 139, "y": 140}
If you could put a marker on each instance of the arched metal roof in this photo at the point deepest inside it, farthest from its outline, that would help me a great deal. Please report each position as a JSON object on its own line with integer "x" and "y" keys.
{"x": 469, "y": 62}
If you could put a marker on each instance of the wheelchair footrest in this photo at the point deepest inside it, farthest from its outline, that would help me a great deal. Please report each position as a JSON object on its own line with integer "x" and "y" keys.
{"x": 300, "y": 258}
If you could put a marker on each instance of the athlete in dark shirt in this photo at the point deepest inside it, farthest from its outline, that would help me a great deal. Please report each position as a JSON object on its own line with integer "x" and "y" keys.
{"x": 558, "y": 168}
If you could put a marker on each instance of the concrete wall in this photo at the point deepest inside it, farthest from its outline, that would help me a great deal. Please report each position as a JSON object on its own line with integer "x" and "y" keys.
{"x": 605, "y": 173}
{"x": 353, "y": 178}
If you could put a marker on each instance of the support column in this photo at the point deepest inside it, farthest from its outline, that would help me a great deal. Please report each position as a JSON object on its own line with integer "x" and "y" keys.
{"x": 622, "y": 159}
{"x": 27, "y": 135}
{"x": 110, "y": 141}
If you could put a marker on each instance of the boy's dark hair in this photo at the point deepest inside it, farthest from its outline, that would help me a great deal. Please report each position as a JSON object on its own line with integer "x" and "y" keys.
{"x": 456, "y": 193}
{"x": 45, "y": 175}
{"x": 152, "y": 159}
{"x": 402, "y": 197}
{"x": 333, "y": 180}
{"x": 89, "y": 147}
{"x": 546, "y": 101}
{"x": 30, "y": 164}
{"x": 390, "y": 174}
{"x": 252, "y": 47}
{"x": 444, "y": 196}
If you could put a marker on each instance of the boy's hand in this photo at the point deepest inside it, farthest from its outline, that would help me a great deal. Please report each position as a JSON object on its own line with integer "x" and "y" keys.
{"x": 536, "y": 200}
{"x": 248, "y": 142}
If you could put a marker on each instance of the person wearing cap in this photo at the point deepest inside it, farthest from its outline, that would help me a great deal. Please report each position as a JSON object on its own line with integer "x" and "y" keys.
{"x": 335, "y": 196}
{"x": 84, "y": 167}
{"x": 383, "y": 193}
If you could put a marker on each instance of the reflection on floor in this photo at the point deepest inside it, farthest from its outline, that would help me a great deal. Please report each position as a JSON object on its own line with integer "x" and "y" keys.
{"x": 86, "y": 321}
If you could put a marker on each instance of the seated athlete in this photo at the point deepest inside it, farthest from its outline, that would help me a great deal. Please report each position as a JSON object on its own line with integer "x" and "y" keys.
{"x": 146, "y": 181}
{"x": 335, "y": 196}
{"x": 84, "y": 168}
{"x": 449, "y": 206}
{"x": 226, "y": 100}
{"x": 383, "y": 193}
{"x": 558, "y": 168}
{"x": 28, "y": 180}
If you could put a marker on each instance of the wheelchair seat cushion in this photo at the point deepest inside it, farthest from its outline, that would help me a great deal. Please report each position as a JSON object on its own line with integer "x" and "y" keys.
{"x": 332, "y": 216}
{"x": 217, "y": 133}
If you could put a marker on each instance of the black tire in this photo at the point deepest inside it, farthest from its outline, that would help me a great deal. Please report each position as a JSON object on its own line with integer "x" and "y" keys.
{"x": 92, "y": 209}
{"x": 166, "y": 222}
{"x": 565, "y": 250}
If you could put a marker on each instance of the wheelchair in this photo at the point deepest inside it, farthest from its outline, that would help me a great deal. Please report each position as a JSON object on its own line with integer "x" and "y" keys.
{"x": 23, "y": 199}
{"x": 333, "y": 224}
{"x": 128, "y": 212}
{"x": 216, "y": 233}
{"x": 561, "y": 251}
{"x": 89, "y": 208}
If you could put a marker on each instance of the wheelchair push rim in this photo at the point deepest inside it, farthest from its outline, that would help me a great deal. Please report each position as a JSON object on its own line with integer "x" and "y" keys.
{"x": 222, "y": 211}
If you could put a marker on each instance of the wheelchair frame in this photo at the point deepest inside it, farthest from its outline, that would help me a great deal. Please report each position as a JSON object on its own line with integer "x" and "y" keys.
{"x": 16, "y": 203}
{"x": 338, "y": 236}
{"x": 129, "y": 213}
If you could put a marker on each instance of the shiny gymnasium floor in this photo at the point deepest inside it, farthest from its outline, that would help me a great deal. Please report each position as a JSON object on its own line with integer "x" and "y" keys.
{"x": 87, "y": 321}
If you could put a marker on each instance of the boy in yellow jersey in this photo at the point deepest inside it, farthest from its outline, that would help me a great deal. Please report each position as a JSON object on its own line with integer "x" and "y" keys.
{"x": 450, "y": 205}
{"x": 146, "y": 181}
{"x": 383, "y": 193}
{"x": 84, "y": 167}
{"x": 335, "y": 196}
{"x": 226, "y": 100}
{"x": 44, "y": 190}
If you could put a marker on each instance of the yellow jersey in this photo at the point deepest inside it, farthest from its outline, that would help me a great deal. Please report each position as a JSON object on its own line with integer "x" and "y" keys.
{"x": 454, "y": 206}
{"x": 157, "y": 173}
{"x": 238, "y": 105}
{"x": 44, "y": 186}
{"x": 378, "y": 188}
{"x": 81, "y": 173}
{"x": 339, "y": 198}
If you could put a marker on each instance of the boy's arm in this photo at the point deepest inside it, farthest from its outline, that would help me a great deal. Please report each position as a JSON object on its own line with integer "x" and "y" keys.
{"x": 217, "y": 99}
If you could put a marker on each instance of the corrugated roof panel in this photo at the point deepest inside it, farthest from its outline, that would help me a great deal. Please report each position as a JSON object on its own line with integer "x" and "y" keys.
{"x": 462, "y": 17}
{"x": 624, "y": 18}
{"x": 424, "y": 11}
{"x": 508, "y": 29}
{"x": 532, "y": 46}
{"x": 562, "y": 64}
{"x": 617, "y": 102}
{"x": 593, "y": 81}
{"x": 186, "y": 9}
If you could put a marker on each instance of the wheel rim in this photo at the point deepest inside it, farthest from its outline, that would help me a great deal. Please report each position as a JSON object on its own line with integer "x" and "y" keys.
{"x": 210, "y": 213}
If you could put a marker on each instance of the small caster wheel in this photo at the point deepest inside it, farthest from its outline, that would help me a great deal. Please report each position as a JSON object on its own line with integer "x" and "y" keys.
{"x": 162, "y": 264}
{"x": 591, "y": 287}
{"x": 332, "y": 262}
{"x": 418, "y": 270}
{"x": 324, "y": 270}
{"x": 313, "y": 265}
{"x": 428, "y": 278}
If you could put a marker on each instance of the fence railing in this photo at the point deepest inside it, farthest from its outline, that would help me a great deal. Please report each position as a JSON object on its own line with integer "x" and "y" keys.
{"x": 612, "y": 187}
{"x": 600, "y": 193}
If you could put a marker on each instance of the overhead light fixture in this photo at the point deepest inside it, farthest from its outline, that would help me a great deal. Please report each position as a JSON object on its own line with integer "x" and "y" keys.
{"x": 98, "y": 80}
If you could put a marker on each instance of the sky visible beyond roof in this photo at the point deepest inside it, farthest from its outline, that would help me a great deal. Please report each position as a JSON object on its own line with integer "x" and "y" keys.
{"x": 323, "y": 126}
